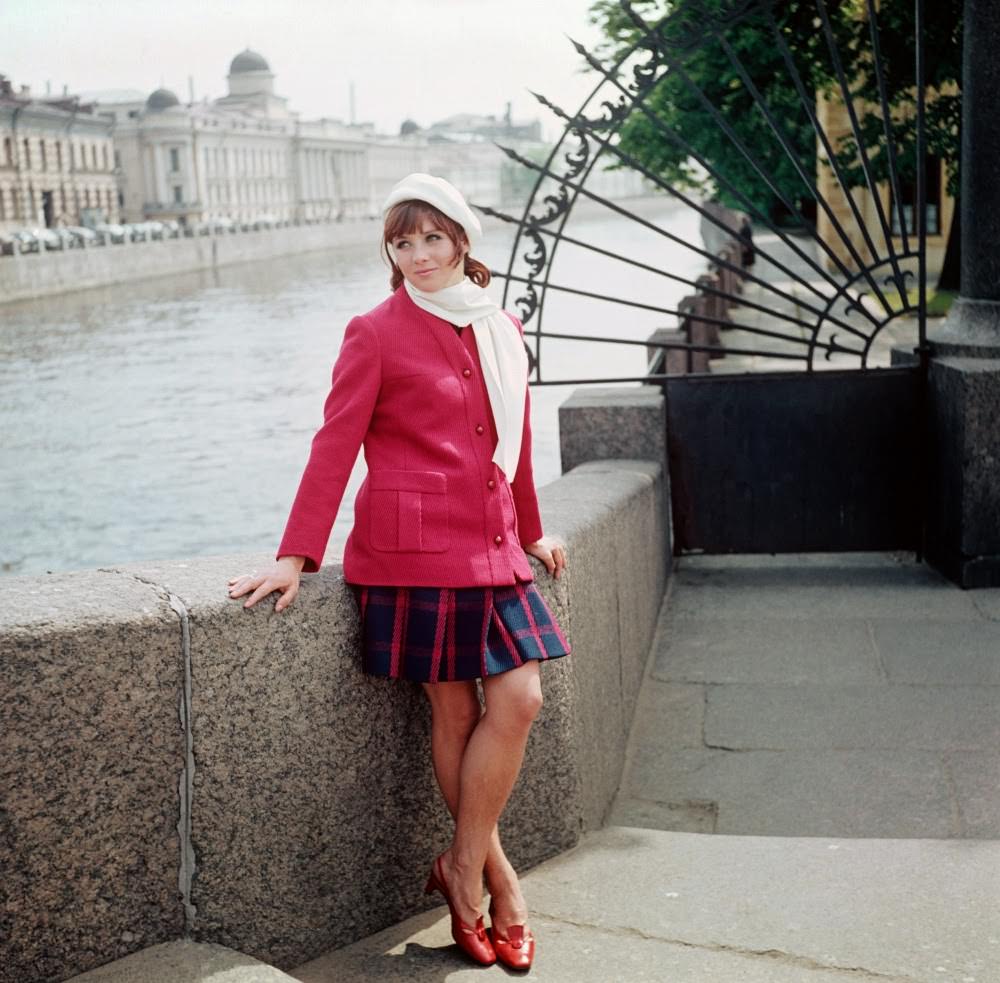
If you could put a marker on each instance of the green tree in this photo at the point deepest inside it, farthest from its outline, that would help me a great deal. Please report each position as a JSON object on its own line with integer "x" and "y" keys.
{"x": 696, "y": 36}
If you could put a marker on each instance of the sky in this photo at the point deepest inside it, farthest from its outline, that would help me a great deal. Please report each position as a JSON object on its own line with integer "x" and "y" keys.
{"x": 418, "y": 59}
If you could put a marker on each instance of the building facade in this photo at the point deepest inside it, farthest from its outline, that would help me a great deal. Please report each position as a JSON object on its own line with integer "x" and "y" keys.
{"x": 939, "y": 206}
{"x": 244, "y": 156}
{"x": 57, "y": 165}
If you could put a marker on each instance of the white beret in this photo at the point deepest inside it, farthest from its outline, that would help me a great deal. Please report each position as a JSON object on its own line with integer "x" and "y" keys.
{"x": 445, "y": 197}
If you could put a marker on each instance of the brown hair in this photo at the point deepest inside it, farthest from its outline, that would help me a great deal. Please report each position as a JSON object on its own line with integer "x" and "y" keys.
{"x": 406, "y": 218}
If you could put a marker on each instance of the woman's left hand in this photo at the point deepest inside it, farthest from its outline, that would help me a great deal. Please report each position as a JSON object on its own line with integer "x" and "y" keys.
{"x": 551, "y": 552}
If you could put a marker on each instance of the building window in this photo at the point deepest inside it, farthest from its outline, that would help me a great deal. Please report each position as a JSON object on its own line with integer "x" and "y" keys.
{"x": 59, "y": 164}
{"x": 41, "y": 147}
{"x": 908, "y": 192}
{"x": 175, "y": 159}
{"x": 178, "y": 194}
{"x": 27, "y": 152}
{"x": 8, "y": 152}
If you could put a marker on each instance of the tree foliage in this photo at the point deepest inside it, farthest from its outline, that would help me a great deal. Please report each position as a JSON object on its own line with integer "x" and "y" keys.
{"x": 674, "y": 123}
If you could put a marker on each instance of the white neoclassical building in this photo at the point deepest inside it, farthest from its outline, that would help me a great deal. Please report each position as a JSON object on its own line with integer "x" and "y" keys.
{"x": 243, "y": 156}
{"x": 56, "y": 162}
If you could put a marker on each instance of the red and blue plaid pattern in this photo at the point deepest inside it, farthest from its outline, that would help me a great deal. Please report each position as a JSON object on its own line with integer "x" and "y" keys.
{"x": 441, "y": 634}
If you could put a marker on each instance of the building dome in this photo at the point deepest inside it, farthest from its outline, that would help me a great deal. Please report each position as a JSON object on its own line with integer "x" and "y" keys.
{"x": 408, "y": 127}
{"x": 248, "y": 61}
{"x": 161, "y": 99}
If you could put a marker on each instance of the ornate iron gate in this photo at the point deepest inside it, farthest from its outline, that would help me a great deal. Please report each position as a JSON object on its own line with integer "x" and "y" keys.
{"x": 771, "y": 461}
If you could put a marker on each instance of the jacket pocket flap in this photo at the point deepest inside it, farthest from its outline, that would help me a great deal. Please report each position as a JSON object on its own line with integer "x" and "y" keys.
{"x": 418, "y": 481}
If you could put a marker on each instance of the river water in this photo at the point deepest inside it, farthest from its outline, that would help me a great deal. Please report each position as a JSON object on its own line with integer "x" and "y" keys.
{"x": 172, "y": 418}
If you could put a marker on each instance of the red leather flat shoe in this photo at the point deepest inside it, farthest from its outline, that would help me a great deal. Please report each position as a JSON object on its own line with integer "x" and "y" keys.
{"x": 473, "y": 941}
{"x": 516, "y": 950}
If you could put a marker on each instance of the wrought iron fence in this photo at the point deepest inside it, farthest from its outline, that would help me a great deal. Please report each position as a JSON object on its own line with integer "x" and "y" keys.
{"x": 836, "y": 281}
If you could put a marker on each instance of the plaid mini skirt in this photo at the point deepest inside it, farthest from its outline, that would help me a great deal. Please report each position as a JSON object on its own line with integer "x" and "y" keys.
{"x": 442, "y": 634}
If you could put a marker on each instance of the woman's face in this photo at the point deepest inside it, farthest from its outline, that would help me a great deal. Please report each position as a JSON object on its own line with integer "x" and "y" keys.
{"x": 427, "y": 258}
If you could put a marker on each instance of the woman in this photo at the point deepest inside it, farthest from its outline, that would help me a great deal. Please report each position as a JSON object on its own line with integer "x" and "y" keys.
{"x": 433, "y": 383}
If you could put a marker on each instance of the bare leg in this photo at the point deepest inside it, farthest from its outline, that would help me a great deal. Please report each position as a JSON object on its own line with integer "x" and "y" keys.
{"x": 487, "y": 772}
{"x": 456, "y": 713}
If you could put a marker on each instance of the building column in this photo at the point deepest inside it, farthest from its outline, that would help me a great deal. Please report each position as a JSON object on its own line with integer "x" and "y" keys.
{"x": 963, "y": 520}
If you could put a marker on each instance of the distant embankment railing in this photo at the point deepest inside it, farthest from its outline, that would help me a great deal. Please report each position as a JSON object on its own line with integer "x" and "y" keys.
{"x": 173, "y": 764}
{"x": 30, "y": 276}
{"x": 705, "y": 313}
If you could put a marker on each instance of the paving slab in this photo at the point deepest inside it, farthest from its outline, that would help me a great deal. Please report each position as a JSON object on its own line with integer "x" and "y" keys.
{"x": 185, "y": 962}
{"x": 987, "y": 602}
{"x": 801, "y": 793}
{"x": 638, "y": 905}
{"x": 976, "y": 777}
{"x": 887, "y": 717}
{"x": 924, "y": 651}
{"x": 766, "y": 649}
{"x": 681, "y": 816}
{"x": 670, "y": 715}
{"x": 817, "y": 586}
{"x": 851, "y": 695}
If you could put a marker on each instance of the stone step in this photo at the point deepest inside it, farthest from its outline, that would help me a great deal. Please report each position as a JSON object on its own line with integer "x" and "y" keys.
{"x": 185, "y": 962}
{"x": 634, "y": 905}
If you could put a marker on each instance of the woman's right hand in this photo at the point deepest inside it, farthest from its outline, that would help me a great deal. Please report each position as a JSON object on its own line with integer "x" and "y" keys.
{"x": 281, "y": 576}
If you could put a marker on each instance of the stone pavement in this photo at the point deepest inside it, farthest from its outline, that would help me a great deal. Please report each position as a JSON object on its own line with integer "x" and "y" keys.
{"x": 819, "y": 695}
{"x": 802, "y": 301}
{"x": 842, "y": 715}
{"x": 812, "y": 795}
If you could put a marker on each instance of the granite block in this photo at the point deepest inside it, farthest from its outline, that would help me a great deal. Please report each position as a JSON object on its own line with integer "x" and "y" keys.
{"x": 315, "y": 811}
{"x": 964, "y": 494}
{"x": 609, "y": 511}
{"x": 229, "y": 772}
{"x": 598, "y": 423}
{"x": 91, "y": 749}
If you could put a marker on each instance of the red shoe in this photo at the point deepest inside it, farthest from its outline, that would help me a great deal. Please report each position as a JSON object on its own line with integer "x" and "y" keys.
{"x": 472, "y": 941}
{"x": 517, "y": 949}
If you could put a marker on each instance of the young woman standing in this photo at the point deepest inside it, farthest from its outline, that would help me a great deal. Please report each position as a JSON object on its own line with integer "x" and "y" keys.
{"x": 433, "y": 384}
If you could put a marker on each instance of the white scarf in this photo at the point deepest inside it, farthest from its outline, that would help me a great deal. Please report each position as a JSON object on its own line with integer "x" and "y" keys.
{"x": 501, "y": 354}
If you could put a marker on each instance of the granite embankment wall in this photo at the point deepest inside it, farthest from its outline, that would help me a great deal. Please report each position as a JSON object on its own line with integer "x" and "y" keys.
{"x": 173, "y": 764}
{"x": 30, "y": 276}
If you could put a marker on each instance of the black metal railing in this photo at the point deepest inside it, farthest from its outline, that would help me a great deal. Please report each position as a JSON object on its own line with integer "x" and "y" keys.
{"x": 836, "y": 287}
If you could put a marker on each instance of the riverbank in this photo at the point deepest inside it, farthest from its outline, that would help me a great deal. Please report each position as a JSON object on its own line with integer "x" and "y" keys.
{"x": 34, "y": 276}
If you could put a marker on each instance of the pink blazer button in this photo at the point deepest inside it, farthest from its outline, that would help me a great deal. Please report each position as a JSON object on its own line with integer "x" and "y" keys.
{"x": 498, "y": 540}
{"x": 466, "y": 372}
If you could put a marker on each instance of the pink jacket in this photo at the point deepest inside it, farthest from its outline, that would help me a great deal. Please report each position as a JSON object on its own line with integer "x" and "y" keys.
{"x": 434, "y": 510}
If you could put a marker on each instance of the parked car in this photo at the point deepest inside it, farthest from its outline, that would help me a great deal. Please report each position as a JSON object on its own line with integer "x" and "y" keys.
{"x": 49, "y": 238}
{"x": 265, "y": 222}
{"x": 66, "y": 238}
{"x": 152, "y": 228}
{"x": 84, "y": 236}
{"x": 8, "y": 244}
{"x": 171, "y": 229}
{"x": 26, "y": 242}
{"x": 112, "y": 232}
